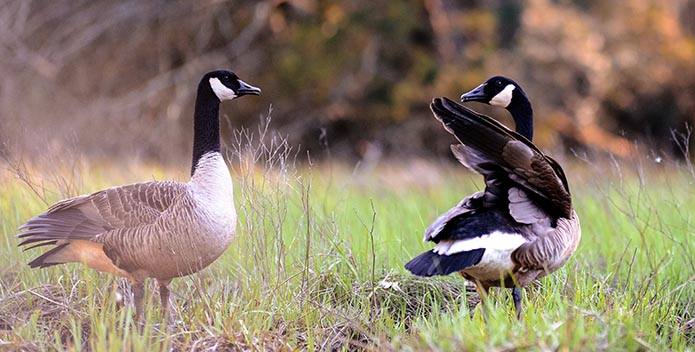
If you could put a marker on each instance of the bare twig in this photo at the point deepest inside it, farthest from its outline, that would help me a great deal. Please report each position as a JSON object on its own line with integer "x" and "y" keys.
{"x": 370, "y": 229}
{"x": 682, "y": 140}
{"x": 19, "y": 168}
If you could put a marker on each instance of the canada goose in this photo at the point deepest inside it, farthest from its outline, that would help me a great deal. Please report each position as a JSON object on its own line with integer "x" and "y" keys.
{"x": 160, "y": 229}
{"x": 521, "y": 227}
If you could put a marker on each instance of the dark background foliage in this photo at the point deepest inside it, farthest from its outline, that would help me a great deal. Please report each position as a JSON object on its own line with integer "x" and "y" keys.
{"x": 349, "y": 79}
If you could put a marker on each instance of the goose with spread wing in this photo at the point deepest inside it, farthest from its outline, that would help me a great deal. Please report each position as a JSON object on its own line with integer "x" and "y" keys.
{"x": 522, "y": 226}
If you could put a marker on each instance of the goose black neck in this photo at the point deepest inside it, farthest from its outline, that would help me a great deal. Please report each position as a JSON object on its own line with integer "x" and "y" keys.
{"x": 523, "y": 116}
{"x": 206, "y": 125}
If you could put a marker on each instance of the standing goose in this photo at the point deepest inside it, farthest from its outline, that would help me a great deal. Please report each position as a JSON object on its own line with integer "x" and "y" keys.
{"x": 521, "y": 227}
{"x": 160, "y": 229}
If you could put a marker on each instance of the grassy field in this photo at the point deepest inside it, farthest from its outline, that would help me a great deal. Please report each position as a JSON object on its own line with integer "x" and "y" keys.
{"x": 318, "y": 265}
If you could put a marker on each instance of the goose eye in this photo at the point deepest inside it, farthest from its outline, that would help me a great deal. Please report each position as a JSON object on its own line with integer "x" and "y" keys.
{"x": 227, "y": 78}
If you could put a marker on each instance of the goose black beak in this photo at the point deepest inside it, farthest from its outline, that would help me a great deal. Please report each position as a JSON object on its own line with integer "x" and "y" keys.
{"x": 247, "y": 89}
{"x": 477, "y": 94}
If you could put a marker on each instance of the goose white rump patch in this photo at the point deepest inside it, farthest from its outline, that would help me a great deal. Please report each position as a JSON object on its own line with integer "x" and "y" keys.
{"x": 222, "y": 91}
{"x": 494, "y": 242}
{"x": 504, "y": 97}
{"x": 497, "y": 258}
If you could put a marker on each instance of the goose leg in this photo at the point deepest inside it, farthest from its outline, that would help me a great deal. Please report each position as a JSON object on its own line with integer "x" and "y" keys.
{"x": 138, "y": 295}
{"x": 516, "y": 297}
{"x": 482, "y": 293}
{"x": 164, "y": 296}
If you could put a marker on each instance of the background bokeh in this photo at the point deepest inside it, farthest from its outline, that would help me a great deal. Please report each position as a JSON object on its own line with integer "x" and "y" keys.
{"x": 345, "y": 79}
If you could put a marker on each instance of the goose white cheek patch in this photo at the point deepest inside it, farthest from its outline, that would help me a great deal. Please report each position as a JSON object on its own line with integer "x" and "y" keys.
{"x": 222, "y": 91}
{"x": 504, "y": 97}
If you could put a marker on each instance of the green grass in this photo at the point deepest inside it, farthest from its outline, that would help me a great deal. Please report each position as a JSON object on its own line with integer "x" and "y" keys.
{"x": 318, "y": 264}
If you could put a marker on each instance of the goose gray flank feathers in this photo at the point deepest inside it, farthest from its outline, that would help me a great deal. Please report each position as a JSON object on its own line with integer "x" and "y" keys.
{"x": 522, "y": 226}
{"x": 160, "y": 229}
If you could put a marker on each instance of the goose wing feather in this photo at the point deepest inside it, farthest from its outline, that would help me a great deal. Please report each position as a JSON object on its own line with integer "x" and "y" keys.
{"x": 496, "y": 152}
{"x": 88, "y": 216}
{"x": 467, "y": 205}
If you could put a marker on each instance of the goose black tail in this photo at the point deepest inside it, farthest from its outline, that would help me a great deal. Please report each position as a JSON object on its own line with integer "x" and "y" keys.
{"x": 430, "y": 263}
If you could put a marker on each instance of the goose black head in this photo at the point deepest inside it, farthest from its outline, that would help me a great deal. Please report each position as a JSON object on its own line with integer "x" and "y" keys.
{"x": 497, "y": 90}
{"x": 504, "y": 92}
{"x": 227, "y": 86}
